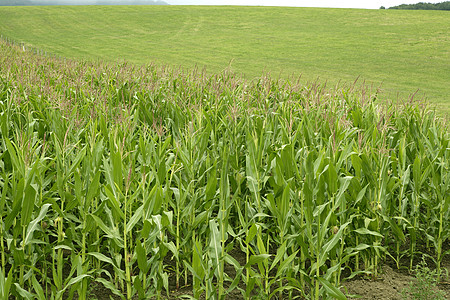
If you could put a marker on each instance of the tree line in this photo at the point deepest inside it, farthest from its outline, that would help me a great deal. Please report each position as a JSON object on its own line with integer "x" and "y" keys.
{"x": 423, "y": 5}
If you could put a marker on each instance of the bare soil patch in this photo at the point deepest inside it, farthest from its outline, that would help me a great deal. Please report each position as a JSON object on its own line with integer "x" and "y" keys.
{"x": 387, "y": 286}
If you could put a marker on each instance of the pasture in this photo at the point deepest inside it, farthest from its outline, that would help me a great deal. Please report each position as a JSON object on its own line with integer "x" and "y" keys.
{"x": 404, "y": 51}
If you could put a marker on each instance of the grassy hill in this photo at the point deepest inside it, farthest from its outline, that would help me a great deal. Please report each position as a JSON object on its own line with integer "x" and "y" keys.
{"x": 403, "y": 50}
{"x": 79, "y": 2}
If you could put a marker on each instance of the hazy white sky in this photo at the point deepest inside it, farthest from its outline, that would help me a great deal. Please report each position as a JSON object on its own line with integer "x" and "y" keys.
{"x": 302, "y": 3}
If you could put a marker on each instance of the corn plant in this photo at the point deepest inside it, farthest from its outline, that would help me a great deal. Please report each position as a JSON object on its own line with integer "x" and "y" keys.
{"x": 150, "y": 179}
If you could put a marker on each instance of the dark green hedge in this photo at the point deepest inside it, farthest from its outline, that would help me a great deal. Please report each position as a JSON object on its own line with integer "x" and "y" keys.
{"x": 425, "y": 6}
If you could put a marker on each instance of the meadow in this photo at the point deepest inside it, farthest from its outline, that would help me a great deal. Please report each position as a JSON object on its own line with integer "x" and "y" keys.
{"x": 403, "y": 51}
{"x": 155, "y": 182}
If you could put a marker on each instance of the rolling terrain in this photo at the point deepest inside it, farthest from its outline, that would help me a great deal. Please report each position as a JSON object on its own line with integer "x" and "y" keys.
{"x": 124, "y": 177}
{"x": 403, "y": 51}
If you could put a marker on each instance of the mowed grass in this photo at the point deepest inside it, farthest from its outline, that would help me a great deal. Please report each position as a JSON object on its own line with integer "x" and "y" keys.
{"x": 405, "y": 51}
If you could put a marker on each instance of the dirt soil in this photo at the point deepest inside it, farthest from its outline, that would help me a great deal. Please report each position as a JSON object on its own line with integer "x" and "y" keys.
{"x": 387, "y": 286}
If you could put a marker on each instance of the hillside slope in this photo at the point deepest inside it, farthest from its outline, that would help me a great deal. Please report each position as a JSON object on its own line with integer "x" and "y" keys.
{"x": 405, "y": 51}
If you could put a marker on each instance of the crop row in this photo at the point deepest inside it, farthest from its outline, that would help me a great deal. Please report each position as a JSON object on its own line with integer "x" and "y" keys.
{"x": 148, "y": 180}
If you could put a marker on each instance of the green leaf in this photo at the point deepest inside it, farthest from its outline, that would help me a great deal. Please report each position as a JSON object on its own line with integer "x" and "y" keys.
{"x": 116, "y": 159}
{"x": 356, "y": 273}
{"x": 367, "y": 231}
{"x": 24, "y": 293}
{"x": 260, "y": 244}
{"x": 343, "y": 187}
{"x": 102, "y": 257}
{"x": 280, "y": 253}
{"x": 172, "y": 248}
{"x": 71, "y": 282}
{"x": 137, "y": 284}
{"x": 215, "y": 246}
{"x": 75, "y": 163}
{"x": 4, "y": 191}
{"x": 93, "y": 188}
{"x": 197, "y": 265}
{"x": 109, "y": 285}
{"x": 9, "y": 220}
{"x": 65, "y": 247}
{"x": 77, "y": 279}
{"x": 261, "y": 216}
{"x": 161, "y": 173}
{"x": 256, "y": 259}
{"x": 361, "y": 194}
{"x": 211, "y": 186}
{"x": 286, "y": 263}
{"x": 284, "y": 206}
{"x": 5, "y": 284}
{"x": 200, "y": 218}
{"x": 237, "y": 279}
{"x": 135, "y": 218}
{"x": 143, "y": 264}
{"x": 360, "y": 247}
{"x": 110, "y": 232}
{"x": 331, "y": 244}
{"x": 18, "y": 164}
{"x": 416, "y": 174}
{"x": 165, "y": 279}
{"x": 35, "y": 223}
{"x": 252, "y": 231}
{"x": 28, "y": 204}
{"x": 332, "y": 179}
{"x": 114, "y": 202}
{"x": 394, "y": 227}
{"x": 332, "y": 290}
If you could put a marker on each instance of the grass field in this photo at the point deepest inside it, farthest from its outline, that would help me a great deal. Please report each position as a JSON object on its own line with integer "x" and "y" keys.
{"x": 403, "y": 50}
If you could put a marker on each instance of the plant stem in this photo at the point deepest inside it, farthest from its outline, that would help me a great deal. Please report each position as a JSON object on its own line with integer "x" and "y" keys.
{"x": 127, "y": 262}
{"x": 177, "y": 265}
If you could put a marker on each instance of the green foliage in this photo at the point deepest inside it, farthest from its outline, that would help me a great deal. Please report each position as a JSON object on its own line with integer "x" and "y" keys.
{"x": 147, "y": 179}
{"x": 425, "y": 285}
{"x": 424, "y": 6}
{"x": 402, "y": 52}
{"x": 80, "y": 2}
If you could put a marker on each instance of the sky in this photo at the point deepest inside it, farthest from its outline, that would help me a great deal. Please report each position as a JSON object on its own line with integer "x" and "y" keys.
{"x": 375, "y": 4}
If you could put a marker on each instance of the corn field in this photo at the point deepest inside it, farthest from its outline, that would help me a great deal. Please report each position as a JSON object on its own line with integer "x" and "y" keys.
{"x": 147, "y": 180}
